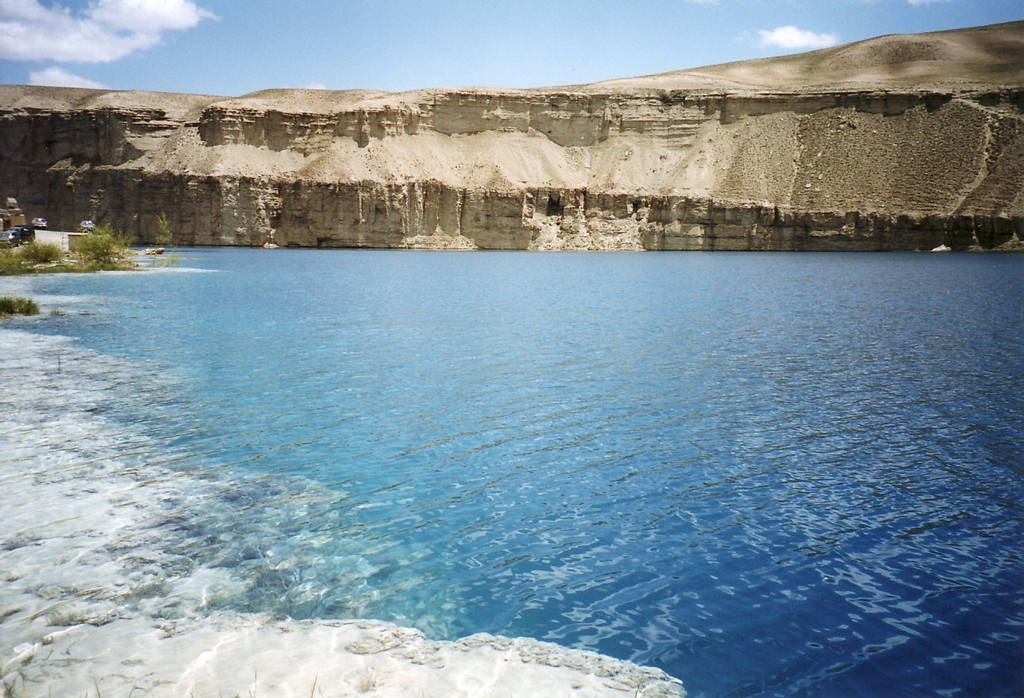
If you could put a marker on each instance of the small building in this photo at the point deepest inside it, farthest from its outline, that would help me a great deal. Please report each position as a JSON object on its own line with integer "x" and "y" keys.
{"x": 12, "y": 214}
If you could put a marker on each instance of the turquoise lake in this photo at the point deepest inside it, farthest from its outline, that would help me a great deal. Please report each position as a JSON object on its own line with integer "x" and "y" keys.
{"x": 767, "y": 474}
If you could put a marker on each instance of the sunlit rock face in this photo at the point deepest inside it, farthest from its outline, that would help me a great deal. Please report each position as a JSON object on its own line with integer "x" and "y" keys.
{"x": 879, "y": 145}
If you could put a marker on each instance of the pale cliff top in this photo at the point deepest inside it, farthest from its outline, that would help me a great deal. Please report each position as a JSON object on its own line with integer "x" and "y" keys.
{"x": 976, "y": 58}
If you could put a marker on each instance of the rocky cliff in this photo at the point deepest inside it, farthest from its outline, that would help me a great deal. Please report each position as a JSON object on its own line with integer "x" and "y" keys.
{"x": 903, "y": 142}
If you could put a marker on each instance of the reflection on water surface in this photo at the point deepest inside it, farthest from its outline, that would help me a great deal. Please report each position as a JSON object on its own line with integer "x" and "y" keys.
{"x": 766, "y": 474}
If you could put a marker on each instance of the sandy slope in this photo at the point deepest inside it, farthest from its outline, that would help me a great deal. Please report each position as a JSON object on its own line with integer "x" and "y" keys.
{"x": 960, "y": 58}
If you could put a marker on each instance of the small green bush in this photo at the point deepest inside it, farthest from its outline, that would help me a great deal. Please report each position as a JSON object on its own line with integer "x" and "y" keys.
{"x": 40, "y": 253}
{"x": 103, "y": 246}
{"x": 164, "y": 237}
{"x": 17, "y": 306}
{"x": 11, "y": 263}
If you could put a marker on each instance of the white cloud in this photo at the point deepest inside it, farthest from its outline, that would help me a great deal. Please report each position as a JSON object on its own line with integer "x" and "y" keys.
{"x": 58, "y": 77}
{"x": 789, "y": 37}
{"x": 315, "y": 86}
{"x": 148, "y": 15}
{"x": 106, "y": 31}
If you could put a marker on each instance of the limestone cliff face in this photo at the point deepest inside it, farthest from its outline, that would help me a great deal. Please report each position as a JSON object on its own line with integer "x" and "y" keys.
{"x": 594, "y": 167}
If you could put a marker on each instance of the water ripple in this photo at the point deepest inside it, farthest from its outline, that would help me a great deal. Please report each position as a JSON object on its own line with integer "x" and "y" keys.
{"x": 770, "y": 475}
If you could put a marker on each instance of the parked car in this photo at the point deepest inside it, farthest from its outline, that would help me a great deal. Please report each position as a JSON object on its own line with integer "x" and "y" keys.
{"x": 39, "y": 223}
{"x": 86, "y": 226}
{"x": 20, "y": 234}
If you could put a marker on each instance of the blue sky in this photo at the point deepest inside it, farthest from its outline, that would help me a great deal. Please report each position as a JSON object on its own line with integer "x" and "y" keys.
{"x": 231, "y": 47}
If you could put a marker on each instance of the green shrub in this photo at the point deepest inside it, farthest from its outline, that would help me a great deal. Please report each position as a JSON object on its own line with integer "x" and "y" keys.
{"x": 18, "y": 306}
{"x": 103, "y": 246}
{"x": 11, "y": 263}
{"x": 40, "y": 252}
{"x": 164, "y": 237}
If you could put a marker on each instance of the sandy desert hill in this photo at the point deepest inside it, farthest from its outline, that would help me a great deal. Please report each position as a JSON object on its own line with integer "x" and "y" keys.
{"x": 956, "y": 59}
{"x": 897, "y": 142}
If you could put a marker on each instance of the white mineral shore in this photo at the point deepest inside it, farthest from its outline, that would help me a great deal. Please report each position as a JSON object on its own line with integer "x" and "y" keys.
{"x": 247, "y": 655}
{"x": 94, "y": 602}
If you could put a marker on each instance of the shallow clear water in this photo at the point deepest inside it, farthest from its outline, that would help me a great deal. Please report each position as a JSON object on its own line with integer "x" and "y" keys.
{"x": 767, "y": 474}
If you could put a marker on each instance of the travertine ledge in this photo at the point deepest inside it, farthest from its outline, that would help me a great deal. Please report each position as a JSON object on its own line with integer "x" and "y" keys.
{"x": 891, "y": 154}
{"x": 241, "y": 655}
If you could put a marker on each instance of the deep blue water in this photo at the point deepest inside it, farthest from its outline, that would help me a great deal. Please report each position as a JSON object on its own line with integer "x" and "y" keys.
{"x": 767, "y": 474}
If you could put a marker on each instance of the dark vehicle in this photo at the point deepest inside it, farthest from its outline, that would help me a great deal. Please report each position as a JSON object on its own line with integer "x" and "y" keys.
{"x": 19, "y": 234}
{"x": 39, "y": 223}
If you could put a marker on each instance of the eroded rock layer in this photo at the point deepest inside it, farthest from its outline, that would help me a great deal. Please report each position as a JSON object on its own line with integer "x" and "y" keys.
{"x": 678, "y": 161}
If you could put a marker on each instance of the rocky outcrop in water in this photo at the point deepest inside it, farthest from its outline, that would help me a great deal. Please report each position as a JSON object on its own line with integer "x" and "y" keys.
{"x": 682, "y": 161}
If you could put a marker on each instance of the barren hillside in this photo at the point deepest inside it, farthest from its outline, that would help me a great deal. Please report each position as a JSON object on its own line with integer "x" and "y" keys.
{"x": 947, "y": 60}
{"x": 899, "y": 142}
